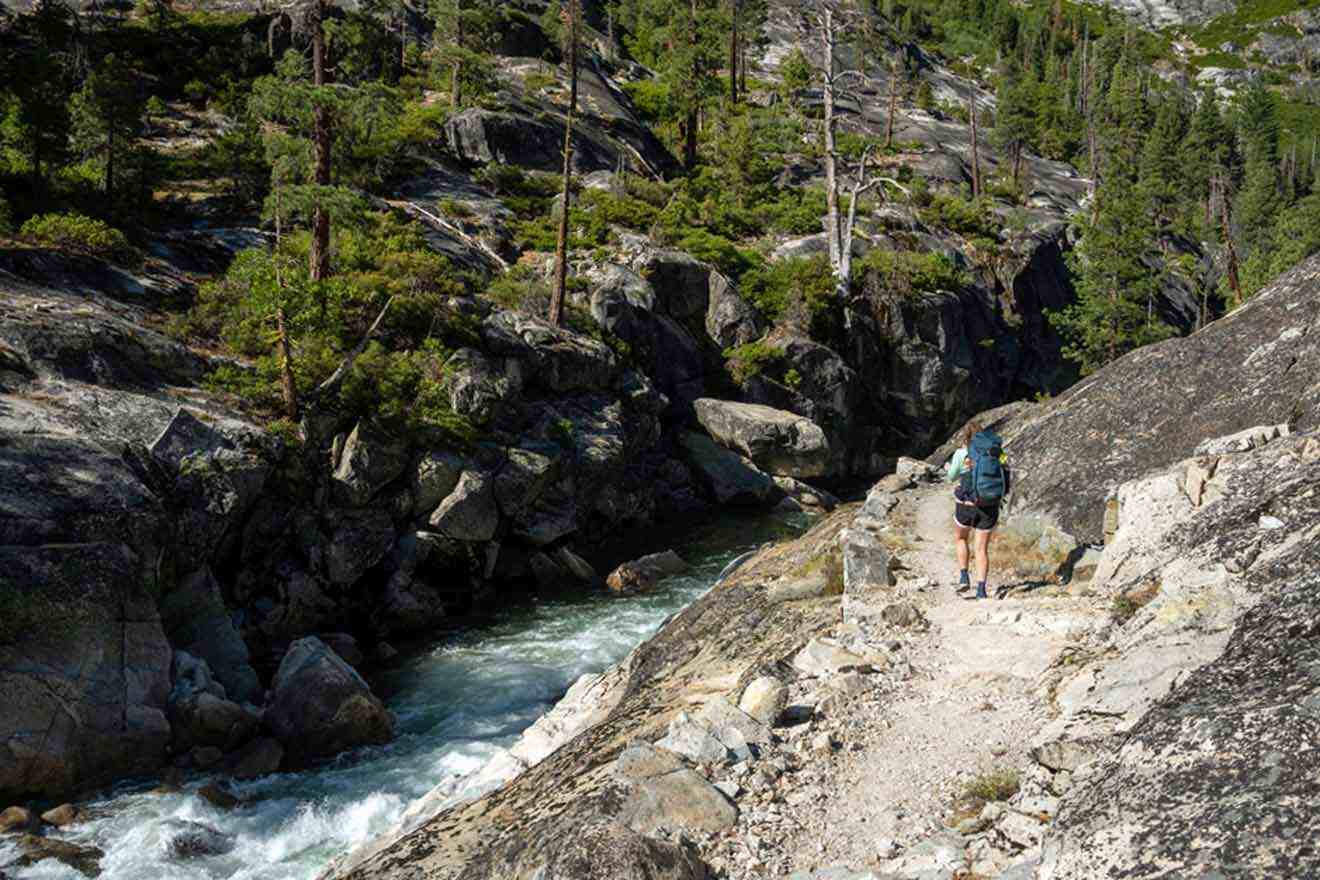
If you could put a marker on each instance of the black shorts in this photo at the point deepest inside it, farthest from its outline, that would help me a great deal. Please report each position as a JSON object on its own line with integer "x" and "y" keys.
{"x": 970, "y": 516}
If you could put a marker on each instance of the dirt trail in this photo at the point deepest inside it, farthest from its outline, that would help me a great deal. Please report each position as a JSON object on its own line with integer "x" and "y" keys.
{"x": 970, "y": 706}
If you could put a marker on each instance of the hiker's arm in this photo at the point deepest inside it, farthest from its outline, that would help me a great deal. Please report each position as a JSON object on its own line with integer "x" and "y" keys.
{"x": 955, "y": 468}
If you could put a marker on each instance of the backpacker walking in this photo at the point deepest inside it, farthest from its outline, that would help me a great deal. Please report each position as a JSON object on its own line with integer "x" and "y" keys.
{"x": 980, "y": 470}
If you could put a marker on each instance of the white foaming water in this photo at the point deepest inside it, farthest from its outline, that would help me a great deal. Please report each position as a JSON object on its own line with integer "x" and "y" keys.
{"x": 458, "y": 705}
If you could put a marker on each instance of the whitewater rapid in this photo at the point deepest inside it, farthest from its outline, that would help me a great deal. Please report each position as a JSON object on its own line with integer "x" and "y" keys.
{"x": 459, "y": 704}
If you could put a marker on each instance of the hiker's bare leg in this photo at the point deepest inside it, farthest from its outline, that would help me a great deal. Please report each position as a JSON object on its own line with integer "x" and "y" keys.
{"x": 982, "y": 555}
{"x": 960, "y": 535}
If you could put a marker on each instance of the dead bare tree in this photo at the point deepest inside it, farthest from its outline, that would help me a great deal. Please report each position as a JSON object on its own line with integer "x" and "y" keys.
{"x": 572, "y": 12}
{"x": 976, "y": 154}
{"x": 839, "y": 222}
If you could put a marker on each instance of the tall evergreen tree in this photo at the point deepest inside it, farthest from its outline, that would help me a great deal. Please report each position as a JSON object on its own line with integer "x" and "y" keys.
{"x": 108, "y": 115}
{"x": 1161, "y": 172}
{"x": 1115, "y": 285}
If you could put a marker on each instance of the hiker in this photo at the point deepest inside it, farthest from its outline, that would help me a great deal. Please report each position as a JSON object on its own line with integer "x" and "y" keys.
{"x": 979, "y": 469}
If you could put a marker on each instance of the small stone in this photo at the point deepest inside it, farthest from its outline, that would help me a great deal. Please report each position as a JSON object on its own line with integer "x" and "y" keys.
{"x": 728, "y": 788}
{"x": 64, "y": 814}
{"x": 217, "y": 796}
{"x": 822, "y": 742}
{"x": 1271, "y": 523}
{"x": 16, "y": 819}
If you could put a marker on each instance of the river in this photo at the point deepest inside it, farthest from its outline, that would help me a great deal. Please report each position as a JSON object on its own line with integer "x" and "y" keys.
{"x": 459, "y": 704}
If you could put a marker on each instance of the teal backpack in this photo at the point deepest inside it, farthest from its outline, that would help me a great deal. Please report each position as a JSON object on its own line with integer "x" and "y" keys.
{"x": 986, "y": 481}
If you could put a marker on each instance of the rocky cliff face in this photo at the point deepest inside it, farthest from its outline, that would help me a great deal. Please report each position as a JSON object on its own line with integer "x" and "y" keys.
{"x": 1257, "y": 366}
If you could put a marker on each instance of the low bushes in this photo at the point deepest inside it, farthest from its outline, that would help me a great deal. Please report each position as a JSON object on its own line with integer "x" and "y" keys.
{"x": 81, "y": 233}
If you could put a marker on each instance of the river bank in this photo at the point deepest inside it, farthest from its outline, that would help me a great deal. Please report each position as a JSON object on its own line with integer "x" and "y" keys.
{"x": 459, "y": 705}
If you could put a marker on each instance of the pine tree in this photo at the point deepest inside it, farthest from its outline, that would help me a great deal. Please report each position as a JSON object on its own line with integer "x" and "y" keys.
{"x": 1115, "y": 286}
{"x": 1258, "y": 203}
{"x": 1207, "y": 157}
{"x": 40, "y": 77}
{"x": 1161, "y": 171}
{"x": 107, "y": 115}
{"x": 464, "y": 30}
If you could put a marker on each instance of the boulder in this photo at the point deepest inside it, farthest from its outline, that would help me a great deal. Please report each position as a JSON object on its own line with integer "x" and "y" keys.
{"x": 186, "y": 435}
{"x": 481, "y": 388}
{"x": 203, "y": 719}
{"x": 1250, "y": 368}
{"x": 197, "y": 621}
{"x": 84, "y": 667}
{"x": 434, "y": 477}
{"x": 319, "y": 706}
{"x": 359, "y": 540}
{"x": 186, "y": 839}
{"x": 693, "y": 740}
{"x": 728, "y": 477}
{"x": 86, "y": 860}
{"x": 261, "y": 757}
{"x": 469, "y": 513}
{"x": 366, "y": 464}
{"x": 730, "y": 319}
{"x": 553, "y": 359}
{"x": 61, "y": 816}
{"x": 643, "y": 574}
{"x": 822, "y": 658}
{"x": 211, "y": 496}
{"x": 764, "y": 699}
{"x": 867, "y": 563}
{"x": 17, "y": 819}
{"x": 345, "y": 646}
{"x": 778, "y": 442}
{"x": 682, "y": 799}
{"x": 218, "y": 796}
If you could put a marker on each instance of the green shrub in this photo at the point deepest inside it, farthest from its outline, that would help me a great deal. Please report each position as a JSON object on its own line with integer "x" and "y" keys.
{"x": 521, "y": 289}
{"x": 6, "y": 217}
{"x": 751, "y": 359}
{"x": 196, "y": 92}
{"x": 794, "y": 290}
{"x": 908, "y": 273}
{"x": 81, "y": 233}
{"x": 718, "y": 251}
{"x": 969, "y": 217}
{"x": 997, "y": 785}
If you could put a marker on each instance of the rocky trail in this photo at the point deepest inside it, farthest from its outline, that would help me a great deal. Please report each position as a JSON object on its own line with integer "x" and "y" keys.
{"x": 889, "y": 792}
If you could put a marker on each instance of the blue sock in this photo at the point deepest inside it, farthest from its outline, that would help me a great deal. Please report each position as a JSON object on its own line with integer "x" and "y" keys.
{"x": 980, "y": 589}
{"x": 963, "y": 578}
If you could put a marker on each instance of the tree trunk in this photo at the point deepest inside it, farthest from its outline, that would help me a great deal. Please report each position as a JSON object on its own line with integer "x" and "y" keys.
{"x": 976, "y": 155}
{"x": 1233, "y": 283}
{"x": 110, "y": 158}
{"x": 692, "y": 122}
{"x": 893, "y": 101}
{"x": 833, "y": 224}
{"x": 574, "y": 10}
{"x": 734, "y": 9}
{"x": 287, "y": 386}
{"x": 319, "y": 256}
{"x": 561, "y": 242}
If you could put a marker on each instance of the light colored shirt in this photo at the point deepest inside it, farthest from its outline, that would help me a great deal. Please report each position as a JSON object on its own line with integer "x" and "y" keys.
{"x": 957, "y": 465}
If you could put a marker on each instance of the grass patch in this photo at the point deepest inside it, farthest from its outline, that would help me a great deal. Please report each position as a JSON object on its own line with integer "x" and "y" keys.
{"x": 996, "y": 785}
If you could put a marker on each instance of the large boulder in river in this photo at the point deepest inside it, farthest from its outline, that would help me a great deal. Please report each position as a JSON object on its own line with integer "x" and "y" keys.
{"x": 320, "y": 706}
{"x": 1256, "y": 366}
{"x": 643, "y": 574}
{"x": 727, "y": 476}
{"x": 779, "y": 442}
